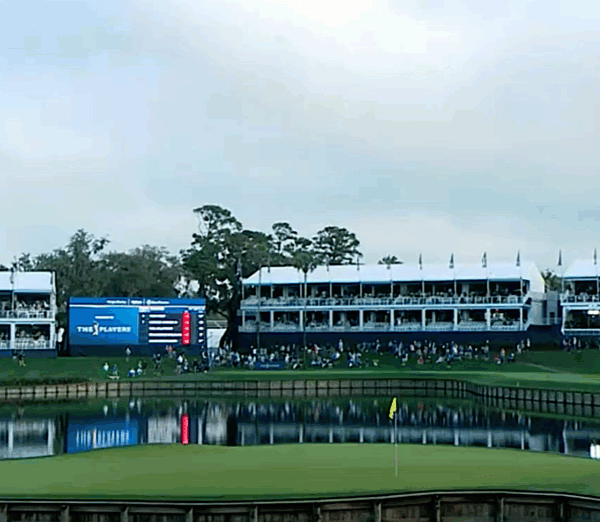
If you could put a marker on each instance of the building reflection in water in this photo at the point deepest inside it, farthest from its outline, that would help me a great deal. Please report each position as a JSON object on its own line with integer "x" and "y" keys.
{"x": 26, "y": 438}
{"x": 216, "y": 422}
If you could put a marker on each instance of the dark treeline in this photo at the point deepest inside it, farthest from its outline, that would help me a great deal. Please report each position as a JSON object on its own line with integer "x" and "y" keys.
{"x": 221, "y": 253}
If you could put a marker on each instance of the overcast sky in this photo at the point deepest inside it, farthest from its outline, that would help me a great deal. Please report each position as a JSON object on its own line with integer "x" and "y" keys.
{"x": 432, "y": 126}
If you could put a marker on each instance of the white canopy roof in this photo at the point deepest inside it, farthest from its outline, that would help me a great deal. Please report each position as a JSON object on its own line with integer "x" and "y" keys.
{"x": 31, "y": 282}
{"x": 582, "y": 269}
{"x": 401, "y": 273}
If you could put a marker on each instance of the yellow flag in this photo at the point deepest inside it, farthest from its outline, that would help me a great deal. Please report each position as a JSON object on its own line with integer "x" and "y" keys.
{"x": 393, "y": 408}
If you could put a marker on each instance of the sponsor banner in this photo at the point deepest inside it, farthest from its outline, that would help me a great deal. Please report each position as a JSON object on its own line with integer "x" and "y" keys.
{"x": 269, "y": 365}
{"x": 133, "y": 301}
{"x": 85, "y": 436}
{"x": 101, "y": 326}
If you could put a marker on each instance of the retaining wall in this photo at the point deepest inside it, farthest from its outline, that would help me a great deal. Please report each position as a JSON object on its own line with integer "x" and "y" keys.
{"x": 489, "y": 506}
{"x": 524, "y": 399}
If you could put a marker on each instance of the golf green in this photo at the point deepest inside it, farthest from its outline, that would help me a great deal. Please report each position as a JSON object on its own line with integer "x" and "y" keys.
{"x": 214, "y": 472}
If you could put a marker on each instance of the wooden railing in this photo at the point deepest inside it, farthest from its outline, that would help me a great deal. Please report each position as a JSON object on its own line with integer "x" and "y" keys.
{"x": 434, "y": 506}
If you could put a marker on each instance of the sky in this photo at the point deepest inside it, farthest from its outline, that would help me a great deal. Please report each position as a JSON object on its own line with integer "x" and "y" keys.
{"x": 424, "y": 126}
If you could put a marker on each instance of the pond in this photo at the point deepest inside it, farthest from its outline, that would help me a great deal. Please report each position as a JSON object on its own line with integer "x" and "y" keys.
{"x": 44, "y": 429}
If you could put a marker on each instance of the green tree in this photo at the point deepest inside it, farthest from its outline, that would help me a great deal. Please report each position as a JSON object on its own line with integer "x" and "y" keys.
{"x": 552, "y": 281}
{"x": 283, "y": 243}
{"x": 305, "y": 259}
{"x": 336, "y": 246}
{"x": 221, "y": 255}
{"x": 146, "y": 271}
{"x": 23, "y": 263}
{"x": 389, "y": 260}
{"x": 77, "y": 268}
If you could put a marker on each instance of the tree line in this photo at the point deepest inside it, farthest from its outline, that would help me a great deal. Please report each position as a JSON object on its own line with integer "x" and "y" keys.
{"x": 220, "y": 255}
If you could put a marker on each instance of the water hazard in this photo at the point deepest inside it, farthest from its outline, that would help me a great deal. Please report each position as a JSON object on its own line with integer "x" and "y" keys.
{"x": 36, "y": 429}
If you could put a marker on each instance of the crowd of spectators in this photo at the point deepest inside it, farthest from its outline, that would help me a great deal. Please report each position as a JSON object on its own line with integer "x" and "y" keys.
{"x": 31, "y": 338}
{"x": 498, "y": 294}
{"x": 24, "y": 309}
{"x": 570, "y": 344}
{"x": 401, "y": 319}
{"x": 365, "y": 354}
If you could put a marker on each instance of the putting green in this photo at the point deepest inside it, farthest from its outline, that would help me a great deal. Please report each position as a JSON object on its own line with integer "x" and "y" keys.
{"x": 214, "y": 472}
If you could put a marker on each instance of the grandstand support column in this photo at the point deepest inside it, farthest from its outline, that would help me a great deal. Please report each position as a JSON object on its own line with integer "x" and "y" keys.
{"x": 52, "y": 337}
{"x": 392, "y": 319}
{"x": 13, "y": 336}
{"x": 433, "y": 316}
{"x": 330, "y": 319}
{"x": 272, "y": 319}
{"x": 423, "y": 318}
{"x": 361, "y": 320}
{"x": 488, "y": 318}
{"x": 455, "y": 318}
{"x": 521, "y": 318}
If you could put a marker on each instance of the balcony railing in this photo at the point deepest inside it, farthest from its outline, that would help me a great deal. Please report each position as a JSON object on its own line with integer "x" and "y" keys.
{"x": 323, "y": 327}
{"x": 408, "y": 327}
{"x": 441, "y": 326}
{"x": 376, "y": 326}
{"x": 467, "y": 326}
{"x": 26, "y": 314}
{"x": 581, "y": 331}
{"x": 580, "y": 298}
{"x": 253, "y": 302}
{"x": 28, "y": 344}
{"x": 446, "y": 326}
{"x": 284, "y": 327}
{"x": 507, "y": 327}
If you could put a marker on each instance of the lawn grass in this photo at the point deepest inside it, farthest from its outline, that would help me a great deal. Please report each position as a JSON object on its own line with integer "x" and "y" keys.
{"x": 299, "y": 471}
{"x": 567, "y": 371}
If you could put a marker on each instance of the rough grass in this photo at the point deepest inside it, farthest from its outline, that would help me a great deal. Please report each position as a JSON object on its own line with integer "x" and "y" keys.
{"x": 576, "y": 371}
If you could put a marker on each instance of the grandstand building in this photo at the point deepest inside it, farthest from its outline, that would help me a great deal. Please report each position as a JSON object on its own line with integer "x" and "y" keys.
{"x": 363, "y": 303}
{"x": 28, "y": 313}
{"x": 580, "y": 299}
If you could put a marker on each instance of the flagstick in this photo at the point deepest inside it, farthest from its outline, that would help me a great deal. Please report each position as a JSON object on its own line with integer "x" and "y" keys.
{"x": 396, "y": 439}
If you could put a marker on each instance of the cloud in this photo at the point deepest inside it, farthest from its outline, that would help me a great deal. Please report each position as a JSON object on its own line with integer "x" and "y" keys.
{"x": 421, "y": 124}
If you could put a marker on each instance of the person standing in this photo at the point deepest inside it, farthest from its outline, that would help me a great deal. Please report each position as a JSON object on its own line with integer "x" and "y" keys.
{"x": 127, "y": 353}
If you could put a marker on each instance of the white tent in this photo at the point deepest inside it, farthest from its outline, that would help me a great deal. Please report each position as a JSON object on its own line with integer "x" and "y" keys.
{"x": 213, "y": 337}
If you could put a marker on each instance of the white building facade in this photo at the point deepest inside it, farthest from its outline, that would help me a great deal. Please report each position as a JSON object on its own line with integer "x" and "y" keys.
{"x": 28, "y": 313}
{"x": 377, "y": 301}
{"x": 580, "y": 299}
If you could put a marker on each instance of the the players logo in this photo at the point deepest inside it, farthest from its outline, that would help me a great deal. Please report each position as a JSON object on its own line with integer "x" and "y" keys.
{"x": 97, "y": 331}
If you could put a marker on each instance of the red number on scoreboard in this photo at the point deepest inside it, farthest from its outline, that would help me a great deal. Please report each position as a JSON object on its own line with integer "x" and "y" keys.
{"x": 185, "y": 328}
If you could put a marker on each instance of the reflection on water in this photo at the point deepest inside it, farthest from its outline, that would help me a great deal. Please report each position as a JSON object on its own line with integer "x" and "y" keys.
{"x": 51, "y": 429}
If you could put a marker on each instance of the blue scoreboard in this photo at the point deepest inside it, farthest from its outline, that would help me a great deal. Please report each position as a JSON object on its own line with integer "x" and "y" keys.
{"x": 106, "y": 326}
